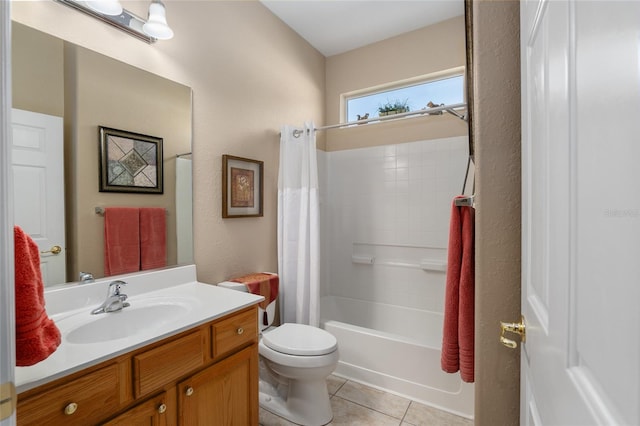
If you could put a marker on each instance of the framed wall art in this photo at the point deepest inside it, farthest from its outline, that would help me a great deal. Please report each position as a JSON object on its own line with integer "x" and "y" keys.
{"x": 130, "y": 162}
{"x": 242, "y": 187}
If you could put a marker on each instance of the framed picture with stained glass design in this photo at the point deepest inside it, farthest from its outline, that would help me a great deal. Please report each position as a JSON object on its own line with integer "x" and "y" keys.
{"x": 130, "y": 162}
{"x": 242, "y": 187}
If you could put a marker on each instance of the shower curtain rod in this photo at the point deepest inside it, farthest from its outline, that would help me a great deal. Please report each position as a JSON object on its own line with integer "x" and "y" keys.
{"x": 429, "y": 111}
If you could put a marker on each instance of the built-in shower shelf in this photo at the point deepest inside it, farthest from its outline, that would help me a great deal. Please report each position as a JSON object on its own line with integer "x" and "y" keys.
{"x": 402, "y": 256}
{"x": 426, "y": 265}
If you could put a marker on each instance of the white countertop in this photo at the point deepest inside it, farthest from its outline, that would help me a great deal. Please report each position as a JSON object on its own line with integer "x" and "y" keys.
{"x": 70, "y": 306}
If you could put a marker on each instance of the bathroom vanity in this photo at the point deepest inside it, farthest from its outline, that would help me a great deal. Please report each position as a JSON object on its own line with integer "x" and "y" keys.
{"x": 201, "y": 368}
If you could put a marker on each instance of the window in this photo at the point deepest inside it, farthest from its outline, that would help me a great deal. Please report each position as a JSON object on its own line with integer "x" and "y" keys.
{"x": 447, "y": 90}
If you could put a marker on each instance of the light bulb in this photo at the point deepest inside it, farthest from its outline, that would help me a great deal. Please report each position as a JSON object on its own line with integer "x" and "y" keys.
{"x": 106, "y": 7}
{"x": 156, "y": 25}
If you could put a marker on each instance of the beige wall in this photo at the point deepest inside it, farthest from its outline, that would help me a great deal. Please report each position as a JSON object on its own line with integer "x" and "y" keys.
{"x": 428, "y": 50}
{"x": 496, "y": 126}
{"x": 249, "y": 74}
{"x": 37, "y": 71}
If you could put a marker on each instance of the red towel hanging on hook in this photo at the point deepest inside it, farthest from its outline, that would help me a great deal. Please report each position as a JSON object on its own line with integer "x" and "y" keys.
{"x": 458, "y": 331}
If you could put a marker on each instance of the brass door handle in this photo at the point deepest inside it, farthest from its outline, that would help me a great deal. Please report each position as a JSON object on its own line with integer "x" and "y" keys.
{"x": 53, "y": 250}
{"x": 513, "y": 327}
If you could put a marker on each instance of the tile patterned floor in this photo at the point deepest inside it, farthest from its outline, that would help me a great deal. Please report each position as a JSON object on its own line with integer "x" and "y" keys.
{"x": 356, "y": 404}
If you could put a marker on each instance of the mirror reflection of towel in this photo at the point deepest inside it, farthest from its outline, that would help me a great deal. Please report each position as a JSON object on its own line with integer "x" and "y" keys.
{"x": 153, "y": 238}
{"x": 37, "y": 336}
{"x": 135, "y": 239}
{"x": 121, "y": 240}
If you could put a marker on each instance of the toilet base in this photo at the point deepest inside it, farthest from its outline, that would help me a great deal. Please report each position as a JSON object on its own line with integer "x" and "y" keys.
{"x": 311, "y": 407}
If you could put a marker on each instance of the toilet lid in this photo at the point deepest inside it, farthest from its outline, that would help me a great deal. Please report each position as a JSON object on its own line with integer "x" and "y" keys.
{"x": 300, "y": 339}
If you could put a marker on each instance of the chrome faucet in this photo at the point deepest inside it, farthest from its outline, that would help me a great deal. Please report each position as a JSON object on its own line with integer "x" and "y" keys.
{"x": 86, "y": 277}
{"x": 115, "y": 300}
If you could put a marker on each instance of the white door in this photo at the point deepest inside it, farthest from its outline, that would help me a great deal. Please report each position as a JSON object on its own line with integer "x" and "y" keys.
{"x": 38, "y": 182}
{"x": 581, "y": 212}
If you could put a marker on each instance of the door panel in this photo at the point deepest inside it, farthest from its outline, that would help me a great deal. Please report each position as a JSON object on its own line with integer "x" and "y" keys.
{"x": 581, "y": 227}
{"x": 608, "y": 213}
{"x": 38, "y": 165}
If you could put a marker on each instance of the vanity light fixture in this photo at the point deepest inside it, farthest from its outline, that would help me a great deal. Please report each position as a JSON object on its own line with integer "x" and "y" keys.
{"x": 112, "y": 13}
{"x": 106, "y": 7}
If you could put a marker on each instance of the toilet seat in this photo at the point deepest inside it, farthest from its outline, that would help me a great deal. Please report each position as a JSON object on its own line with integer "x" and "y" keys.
{"x": 300, "y": 339}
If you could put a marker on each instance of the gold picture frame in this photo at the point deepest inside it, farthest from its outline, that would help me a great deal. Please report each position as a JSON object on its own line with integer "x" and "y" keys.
{"x": 242, "y": 187}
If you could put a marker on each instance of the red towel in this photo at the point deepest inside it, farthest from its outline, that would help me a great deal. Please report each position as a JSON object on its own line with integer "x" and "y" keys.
{"x": 458, "y": 332}
{"x": 153, "y": 238}
{"x": 37, "y": 336}
{"x": 121, "y": 240}
{"x": 262, "y": 284}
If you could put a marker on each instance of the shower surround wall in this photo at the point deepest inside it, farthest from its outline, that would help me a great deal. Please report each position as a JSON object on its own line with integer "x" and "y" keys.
{"x": 391, "y": 204}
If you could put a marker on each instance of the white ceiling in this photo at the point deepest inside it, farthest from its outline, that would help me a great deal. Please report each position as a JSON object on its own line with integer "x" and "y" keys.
{"x": 337, "y": 26}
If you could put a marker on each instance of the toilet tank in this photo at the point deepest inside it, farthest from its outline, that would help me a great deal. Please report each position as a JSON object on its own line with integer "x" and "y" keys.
{"x": 265, "y": 316}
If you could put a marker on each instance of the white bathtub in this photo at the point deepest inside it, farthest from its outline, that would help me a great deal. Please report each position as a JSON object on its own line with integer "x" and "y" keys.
{"x": 382, "y": 344}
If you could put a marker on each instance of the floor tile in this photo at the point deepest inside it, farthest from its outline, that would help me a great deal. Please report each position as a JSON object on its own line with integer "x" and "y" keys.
{"x": 351, "y": 414}
{"x": 386, "y": 403}
{"x": 423, "y": 415}
{"x": 354, "y": 404}
{"x": 334, "y": 383}
{"x": 269, "y": 419}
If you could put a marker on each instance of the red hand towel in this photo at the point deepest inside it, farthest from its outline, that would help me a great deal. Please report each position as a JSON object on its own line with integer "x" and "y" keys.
{"x": 458, "y": 330}
{"x": 153, "y": 238}
{"x": 262, "y": 284}
{"x": 37, "y": 336}
{"x": 121, "y": 240}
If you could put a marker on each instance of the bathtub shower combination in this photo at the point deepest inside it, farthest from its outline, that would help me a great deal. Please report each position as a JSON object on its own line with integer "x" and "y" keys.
{"x": 386, "y": 221}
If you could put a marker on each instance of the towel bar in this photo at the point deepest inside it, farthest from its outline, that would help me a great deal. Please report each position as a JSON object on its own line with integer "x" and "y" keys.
{"x": 100, "y": 211}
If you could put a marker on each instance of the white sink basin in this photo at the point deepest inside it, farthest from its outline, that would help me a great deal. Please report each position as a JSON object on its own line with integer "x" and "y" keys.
{"x": 143, "y": 316}
{"x": 164, "y": 302}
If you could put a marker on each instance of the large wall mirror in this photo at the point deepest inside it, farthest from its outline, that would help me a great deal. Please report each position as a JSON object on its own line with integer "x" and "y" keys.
{"x": 87, "y": 90}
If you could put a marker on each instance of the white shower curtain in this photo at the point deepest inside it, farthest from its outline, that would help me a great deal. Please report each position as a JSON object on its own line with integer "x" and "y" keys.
{"x": 299, "y": 227}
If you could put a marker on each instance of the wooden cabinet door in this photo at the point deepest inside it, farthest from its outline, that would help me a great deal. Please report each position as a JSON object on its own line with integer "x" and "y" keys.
{"x": 225, "y": 394}
{"x": 153, "y": 412}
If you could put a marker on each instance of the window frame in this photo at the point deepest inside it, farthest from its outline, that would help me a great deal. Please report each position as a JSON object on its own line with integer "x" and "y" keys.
{"x": 400, "y": 84}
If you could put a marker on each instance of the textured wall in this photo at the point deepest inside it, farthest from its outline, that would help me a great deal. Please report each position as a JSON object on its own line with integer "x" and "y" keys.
{"x": 250, "y": 74}
{"x": 428, "y": 50}
{"x": 496, "y": 26}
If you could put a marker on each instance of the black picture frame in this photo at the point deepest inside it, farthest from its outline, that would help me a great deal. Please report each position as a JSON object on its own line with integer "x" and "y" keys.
{"x": 130, "y": 162}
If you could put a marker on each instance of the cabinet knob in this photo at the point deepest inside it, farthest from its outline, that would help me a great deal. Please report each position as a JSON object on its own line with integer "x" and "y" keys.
{"x": 189, "y": 391}
{"x": 162, "y": 408}
{"x": 70, "y": 408}
{"x": 240, "y": 330}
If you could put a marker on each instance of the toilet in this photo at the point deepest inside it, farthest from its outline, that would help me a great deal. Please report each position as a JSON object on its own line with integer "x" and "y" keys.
{"x": 295, "y": 361}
